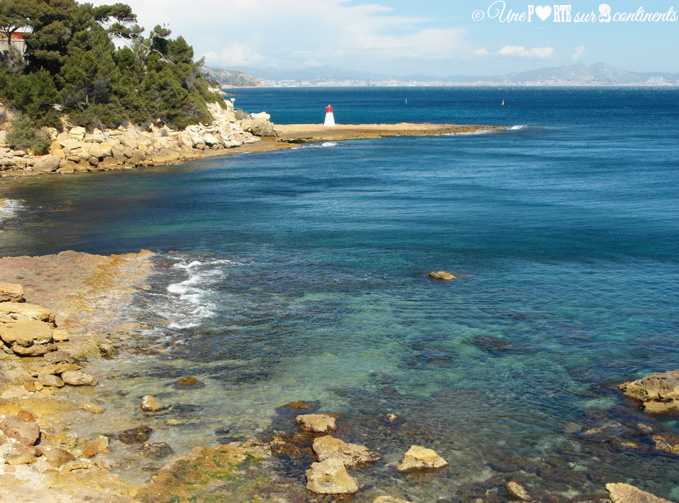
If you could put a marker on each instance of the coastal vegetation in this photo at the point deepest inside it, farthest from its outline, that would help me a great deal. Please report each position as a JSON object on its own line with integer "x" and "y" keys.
{"x": 95, "y": 67}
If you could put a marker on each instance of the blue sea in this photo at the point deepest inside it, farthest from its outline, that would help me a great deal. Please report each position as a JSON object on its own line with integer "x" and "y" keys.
{"x": 302, "y": 275}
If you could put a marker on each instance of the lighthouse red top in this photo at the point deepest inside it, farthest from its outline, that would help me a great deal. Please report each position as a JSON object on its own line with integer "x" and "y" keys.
{"x": 328, "y": 110}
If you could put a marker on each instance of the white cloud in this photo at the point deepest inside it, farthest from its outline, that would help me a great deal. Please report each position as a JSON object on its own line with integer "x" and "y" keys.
{"x": 517, "y": 51}
{"x": 295, "y": 32}
{"x": 578, "y": 53}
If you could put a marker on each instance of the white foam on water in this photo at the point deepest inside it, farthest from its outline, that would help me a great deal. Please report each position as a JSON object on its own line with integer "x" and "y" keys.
{"x": 9, "y": 208}
{"x": 189, "y": 302}
{"x": 329, "y": 144}
{"x": 518, "y": 127}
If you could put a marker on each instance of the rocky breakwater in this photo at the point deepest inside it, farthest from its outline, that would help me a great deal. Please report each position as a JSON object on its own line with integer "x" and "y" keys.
{"x": 77, "y": 150}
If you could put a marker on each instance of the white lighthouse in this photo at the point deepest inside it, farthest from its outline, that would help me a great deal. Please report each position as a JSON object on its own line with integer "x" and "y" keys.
{"x": 329, "y": 117}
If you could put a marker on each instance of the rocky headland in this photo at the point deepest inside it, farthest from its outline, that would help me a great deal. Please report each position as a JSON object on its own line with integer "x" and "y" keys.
{"x": 76, "y": 150}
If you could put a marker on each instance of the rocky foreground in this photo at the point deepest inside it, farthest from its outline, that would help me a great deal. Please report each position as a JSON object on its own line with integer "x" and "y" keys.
{"x": 59, "y": 313}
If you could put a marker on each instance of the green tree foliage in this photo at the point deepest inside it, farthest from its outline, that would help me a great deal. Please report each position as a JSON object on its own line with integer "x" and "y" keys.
{"x": 72, "y": 66}
{"x": 25, "y": 135}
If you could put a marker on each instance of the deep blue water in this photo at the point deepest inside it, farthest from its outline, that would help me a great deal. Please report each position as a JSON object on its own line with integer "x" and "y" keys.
{"x": 301, "y": 274}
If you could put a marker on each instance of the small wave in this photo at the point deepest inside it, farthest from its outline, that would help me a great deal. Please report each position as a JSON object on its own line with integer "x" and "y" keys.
{"x": 9, "y": 209}
{"x": 518, "y": 127}
{"x": 473, "y": 133}
{"x": 189, "y": 300}
{"x": 329, "y": 144}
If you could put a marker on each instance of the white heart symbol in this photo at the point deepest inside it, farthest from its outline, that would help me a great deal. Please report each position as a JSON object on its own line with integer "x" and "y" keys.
{"x": 543, "y": 11}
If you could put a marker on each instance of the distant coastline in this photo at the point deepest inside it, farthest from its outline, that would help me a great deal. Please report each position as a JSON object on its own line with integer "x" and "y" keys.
{"x": 597, "y": 75}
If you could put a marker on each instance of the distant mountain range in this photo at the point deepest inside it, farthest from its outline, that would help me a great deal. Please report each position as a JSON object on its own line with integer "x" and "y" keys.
{"x": 574, "y": 75}
{"x": 231, "y": 78}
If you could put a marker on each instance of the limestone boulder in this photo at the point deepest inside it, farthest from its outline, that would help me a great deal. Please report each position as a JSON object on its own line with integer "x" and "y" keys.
{"x": 24, "y": 432}
{"x": 25, "y": 333}
{"x": 421, "y": 458}
{"x": 350, "y": 454}
{"x": 47, "y": 164}
{"x": 330, "y": 477}
{"x": 77, "y": 133}
{"x": 658, "y": 386}
{"x": 316, "y": 423}
{"x": 79, "y": 378}
{"x": 625, "y": 493}
{"x": 54, "y": 368}
{"x": 51, "y": 380}
{"x": 34, "y": 350}
{"x": 10, "y": 292}
{"x": 57, "y": 457}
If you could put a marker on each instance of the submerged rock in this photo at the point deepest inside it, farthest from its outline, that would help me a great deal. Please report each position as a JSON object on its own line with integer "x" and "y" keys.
{"x": 350, "y": 454}
{"x": 151, "y": 404}
{"x": 156, "y": 450}
{"x": 389, "y": 499}
{"x": 330, "y": 477}
{"x": 97, "y": 446}
{"x": 135, "y": 435}
{"x": 421, "y": 458}
{"x": 517, "y": 491}
{"x": 316, "y": 423}
{"x": 187, "y": 382}
{"x": 625, "y": 493}
{"x": 91, "y": 407}
{"x": 442, "y": 275}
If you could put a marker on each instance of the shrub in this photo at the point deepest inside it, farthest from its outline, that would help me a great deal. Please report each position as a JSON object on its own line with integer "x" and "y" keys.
{"x": 24, "y": 135}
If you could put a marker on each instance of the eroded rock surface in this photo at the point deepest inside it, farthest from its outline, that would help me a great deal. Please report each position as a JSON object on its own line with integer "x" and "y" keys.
{"x": 421, "y": 458}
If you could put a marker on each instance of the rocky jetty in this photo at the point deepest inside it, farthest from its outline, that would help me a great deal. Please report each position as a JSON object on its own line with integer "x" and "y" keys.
{"x": 77, "y": 150}
{"x": 658, "y": 392}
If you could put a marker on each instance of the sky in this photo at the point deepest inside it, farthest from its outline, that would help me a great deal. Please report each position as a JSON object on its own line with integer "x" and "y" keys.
{"x": 428, "y": 37}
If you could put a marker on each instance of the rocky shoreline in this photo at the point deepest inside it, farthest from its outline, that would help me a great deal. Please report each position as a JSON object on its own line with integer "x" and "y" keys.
{"x": 78, "y": 151}
{"x": 79, "y": 302}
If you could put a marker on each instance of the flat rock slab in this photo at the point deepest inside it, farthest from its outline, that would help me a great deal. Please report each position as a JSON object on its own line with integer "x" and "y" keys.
{"x": 307, "y": 133}
{"x": 28, "y": 311}
{"x": 350, "y": 454}
{"x": 25, "y": 332}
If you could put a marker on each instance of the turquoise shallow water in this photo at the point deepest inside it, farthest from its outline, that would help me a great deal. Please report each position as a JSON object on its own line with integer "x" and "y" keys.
{"x": 301, "y": 275}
